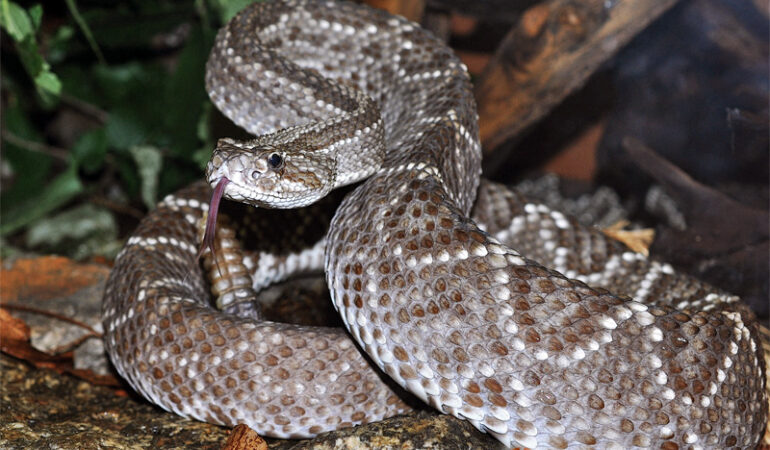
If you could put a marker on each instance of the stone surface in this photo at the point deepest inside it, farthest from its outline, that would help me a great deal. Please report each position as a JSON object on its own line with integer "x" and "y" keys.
{"x": 418, "y": 430}
{"x": 42, "y": 409}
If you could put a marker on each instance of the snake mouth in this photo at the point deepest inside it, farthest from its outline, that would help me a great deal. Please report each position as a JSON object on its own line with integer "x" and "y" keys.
{"x": 249, "y": 180}
{"x": 237, "y": 190}
{"x": 208, "y": 241}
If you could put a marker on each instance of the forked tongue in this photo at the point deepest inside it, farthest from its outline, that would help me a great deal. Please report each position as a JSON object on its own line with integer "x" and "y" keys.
{"x": 211, "y": 221}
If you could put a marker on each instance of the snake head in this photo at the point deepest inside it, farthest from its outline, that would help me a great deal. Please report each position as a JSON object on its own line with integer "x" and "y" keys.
{"x": 271, "y": 176}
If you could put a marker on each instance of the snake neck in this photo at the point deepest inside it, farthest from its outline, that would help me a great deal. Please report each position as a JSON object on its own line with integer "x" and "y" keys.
{"x": 281, "y": 68}
{"x": 296, "y": 166}
{"x": 299, "y": 156}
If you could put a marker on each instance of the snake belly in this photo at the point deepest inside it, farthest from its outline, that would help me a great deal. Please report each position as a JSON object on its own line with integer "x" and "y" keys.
{"x": 448, "y": 310}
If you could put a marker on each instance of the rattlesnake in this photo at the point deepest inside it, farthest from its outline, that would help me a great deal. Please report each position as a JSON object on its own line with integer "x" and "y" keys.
{"x": 447, "y": 309}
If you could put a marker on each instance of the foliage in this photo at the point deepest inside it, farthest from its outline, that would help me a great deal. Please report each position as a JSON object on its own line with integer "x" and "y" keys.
{"x": 103, "y": 112}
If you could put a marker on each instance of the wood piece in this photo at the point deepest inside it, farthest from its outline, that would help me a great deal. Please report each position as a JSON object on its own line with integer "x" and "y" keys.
{"x": 726, "y": 243}
{"x": 578, "y": 159}
{"x": 725, "y": 222}
{"x": 492, "y": 10}
{"x": 763, "y": 7}
{"x": 548, "y": 54}
{"x": 411, "y": 9}
{"x": 696, "y": 97}
{"x": 437, "y": 22}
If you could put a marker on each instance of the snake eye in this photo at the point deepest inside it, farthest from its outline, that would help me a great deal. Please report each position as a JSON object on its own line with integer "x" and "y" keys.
{"x": 275, "y": 161}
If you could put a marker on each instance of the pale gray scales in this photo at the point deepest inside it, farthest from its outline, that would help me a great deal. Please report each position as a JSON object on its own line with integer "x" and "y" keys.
{"x": 449, "y": 311}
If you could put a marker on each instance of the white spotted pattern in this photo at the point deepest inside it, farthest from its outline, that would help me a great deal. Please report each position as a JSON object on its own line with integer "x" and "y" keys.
{"x": 468, "y": 322}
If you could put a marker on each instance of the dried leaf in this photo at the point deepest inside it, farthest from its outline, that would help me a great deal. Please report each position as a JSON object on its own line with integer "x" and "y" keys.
{"x": 47, "y": 277}
{"x": 14, "y": 340}
{"x": 12, "y": 328}
{"x": 244, "y": 438}
{"x": 637, "y": 240}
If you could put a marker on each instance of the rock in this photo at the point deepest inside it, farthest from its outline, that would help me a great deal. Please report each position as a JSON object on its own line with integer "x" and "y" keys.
{"x": 42, "y": 409}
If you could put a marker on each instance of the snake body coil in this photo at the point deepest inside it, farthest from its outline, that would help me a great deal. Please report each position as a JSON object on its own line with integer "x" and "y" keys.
{"x": 448, "y": 310}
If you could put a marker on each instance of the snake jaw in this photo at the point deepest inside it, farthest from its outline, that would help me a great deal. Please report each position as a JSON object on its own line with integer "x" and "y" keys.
{"x": 266, "y": 176}
{"x": 248, "y": 174}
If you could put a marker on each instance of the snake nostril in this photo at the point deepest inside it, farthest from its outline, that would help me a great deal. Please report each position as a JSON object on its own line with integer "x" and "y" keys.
{"x": 255, "y": 174}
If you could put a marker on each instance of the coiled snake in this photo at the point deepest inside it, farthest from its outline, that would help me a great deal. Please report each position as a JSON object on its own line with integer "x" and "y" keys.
{"x": 447, "y": 309}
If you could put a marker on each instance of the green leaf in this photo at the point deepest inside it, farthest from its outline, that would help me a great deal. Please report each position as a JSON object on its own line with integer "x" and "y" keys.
{"x": 130, "y": 179}
{"x": 33, "y": 63}
{"x": 58, "y": 192}
{"x": 31, "y": 170}
{"x": 77, "y": 81}
{"x": 229, "y": 8}
{"x": 60, "y": 44}
{"x": 149, "y": 161}
{"x": 15, "y": 20}
{"x": 49, "y": 83}
{"x": 8, "y": 251}
{"x": 202, "y": 128}
{"x": 132, "y": 25}
{"x": 36, "y": 16}
{"x": 22, "y": 26}
{"x": 134, "y": 95}
{"x": 185, "y": 95}
{"x": 90, "y": 149}
{"x": 178, "y": 173}
{"x": 78, "y": 232}
{"x": 125, "y": 129}
{"x": 120, "y": 83}
{"x": 201, "y": 156}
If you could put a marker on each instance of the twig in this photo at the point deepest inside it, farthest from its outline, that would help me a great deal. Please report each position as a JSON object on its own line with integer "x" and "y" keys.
{"x": 117, "y": 207}
{"x": 71, "y": 346}
{"x": 86, "y": 108}
{"x": 38, "y": 147}
{"x": 43, "y": 312}
{"x": 73, "y": 7}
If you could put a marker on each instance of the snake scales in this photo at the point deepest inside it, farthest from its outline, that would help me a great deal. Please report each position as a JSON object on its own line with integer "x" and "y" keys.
{"x": 447, "y": 309}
